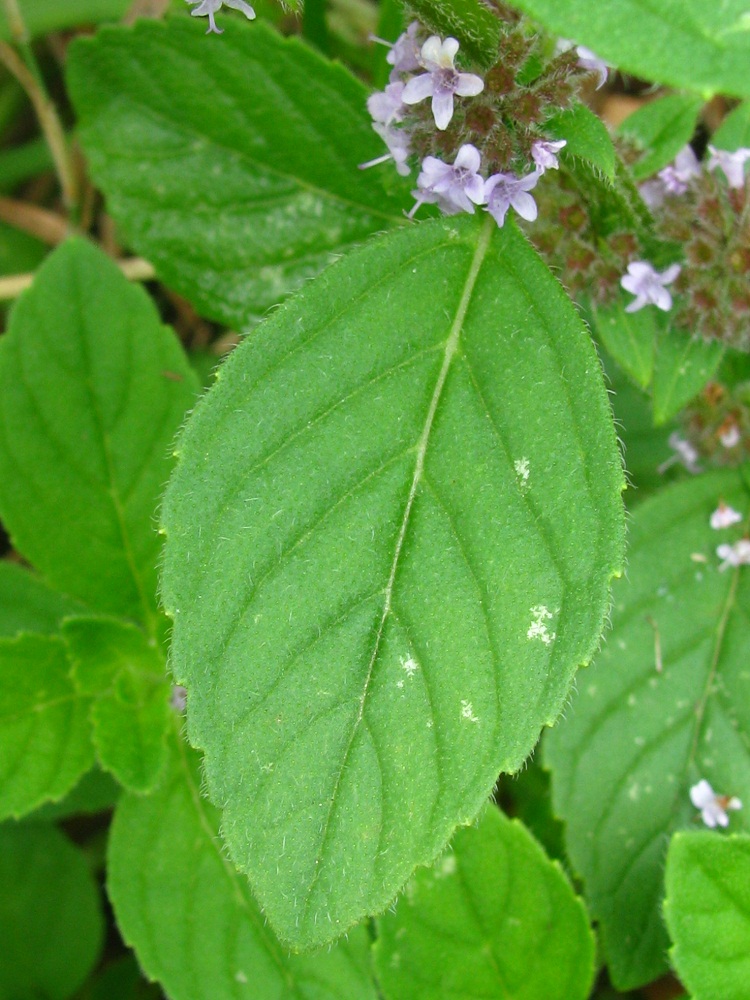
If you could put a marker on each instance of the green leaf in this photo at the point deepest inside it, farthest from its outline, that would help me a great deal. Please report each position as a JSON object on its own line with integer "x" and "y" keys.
{"x": 708, "y": 913}
{"x": 661, "y": 128}
{"x": 665, "y": 705}
{"x": 476, "y": 28}
{"x": 684, "y": 43}
{"x": 427, "y": 419}
{"x": 96, "y": 792}
{"x": 500, "y": 915}
{"x": 734, "y": 131}
{"x": 42, "y": 17}
{"x": 673, "y": 364}
{"x": 190, "y": 917}
{"x": 124, "y": 673}
{"x": 27, "y": 604}
{"x": 244, "y": 184}
{"x": 586, "y": 137}
{"x": 51, "y": 922}
{"x": 44, "y": 731}
{"x": 682, "y": 366}
{"x": 92, "y": 391}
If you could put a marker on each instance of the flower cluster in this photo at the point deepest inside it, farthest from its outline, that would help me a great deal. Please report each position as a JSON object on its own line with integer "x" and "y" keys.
{"x": 705, "y": 207}
{"x": 207, "y": 8}
{"x": 716, "y": 427}
{"x": 480, "y": 141}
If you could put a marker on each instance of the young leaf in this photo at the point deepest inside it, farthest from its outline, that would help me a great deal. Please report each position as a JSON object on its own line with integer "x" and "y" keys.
{"x": 96, "y": 792}
{"x": 661, "y": 128}
{"x": 92, "y": 391}
{"x": 123, "y": 671}
{"x": 51, "y": 922}
{"x": 389, "y": 542}
{"x": 475, "y": 27}
{"x": 586, "y": 137}
{"x": 734, "y": 131}
{"x": 664, "y": 706}
{"x": 708, "y": 913}
{"x": 685, "y": 43}
{"x": 189, "y": 915}
{"x": 44, "y": 730}
{"x": 673, "y": 364}
{"x": 242, "y": 185}
{"x": 500, "y": 915}
{"x": 27, "y": 604}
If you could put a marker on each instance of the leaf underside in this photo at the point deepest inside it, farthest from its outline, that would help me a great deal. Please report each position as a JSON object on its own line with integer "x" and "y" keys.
{"x": 389, "y": 542}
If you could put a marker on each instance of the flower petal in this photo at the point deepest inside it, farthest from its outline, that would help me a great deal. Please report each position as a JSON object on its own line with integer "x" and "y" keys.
{"x": 442, "y": 109}
{"x": 418, "y": 88}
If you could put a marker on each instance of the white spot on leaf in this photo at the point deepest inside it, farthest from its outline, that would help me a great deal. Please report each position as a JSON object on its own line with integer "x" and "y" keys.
{"x": 467, "y": 711}
{"x": 540, "y": 615}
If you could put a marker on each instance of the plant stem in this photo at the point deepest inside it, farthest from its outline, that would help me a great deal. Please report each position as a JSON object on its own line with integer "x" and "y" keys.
{"x": 134, "y": 268}
{"x": 27, "y": 72}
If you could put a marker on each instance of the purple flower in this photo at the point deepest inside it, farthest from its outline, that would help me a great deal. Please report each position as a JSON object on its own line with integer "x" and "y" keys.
{"x": 724, "y": 516}
{"x": 398, "y": 142}
{"x": 733, "y": 164}
{"x": 586, "y": 60}
{"x": 504, "y": 191}
{"x": 387, "y": 106}
{"x": 648, "y": 285}
{"x": 404, "y": 54}
{"x": 210, "y": 7}
{"x": 653, "y": 192}
{"x": 455, "y": 188}
{"x": 441, "y": 81}
{"x": 544, "y": 153}
{"x": 734, "y": 555}
{"x": 677, "y": 175}
{"x": 684, "y": 453}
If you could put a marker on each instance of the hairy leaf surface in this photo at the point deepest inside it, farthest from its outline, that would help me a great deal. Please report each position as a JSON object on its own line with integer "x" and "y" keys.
{"x": 666, "y": 704}
{"x": 51, "y": 924}
{"x": 123, "y": 672}
{"x": 92, "y": 391}
{"x": 389, "y": 541}
{"x": 708, "y": 913}
{"x": 44, "y": 730}
{"x": 686, "y": 43}
{"x": 232, "y": 167}
{"x": 494, "y": 918}
{"x": 189, "y": 914}
{"x": 476, "y": 28}
{"x": 27, "y": 604}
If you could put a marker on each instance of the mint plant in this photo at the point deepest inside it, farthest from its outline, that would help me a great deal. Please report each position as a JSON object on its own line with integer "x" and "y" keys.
{"x": 402, "y": 653}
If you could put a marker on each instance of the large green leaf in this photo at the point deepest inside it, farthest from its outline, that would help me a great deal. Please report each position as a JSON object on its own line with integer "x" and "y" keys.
{"x": 708, "y": 913}
{"x": 232, "y": 167}
{"x": 92, "y": 391}
{"x": 389, "y": 541}
{"x": 734, "y": 131}
{"x": 476, "y": 28}
{"x": 499, "y": 916}
{"x": 662, "y": 128}
{"x": 44, "y": 731}
{"x": 27, "y": 604}
{"x": 586, "y": 137}
{"x": 665, "y": 705}
{"x": 190, "y": 916}
{"x": 686, "y": 43}
{"x": 123, "y": 672}
{"x": 51, "y": 924}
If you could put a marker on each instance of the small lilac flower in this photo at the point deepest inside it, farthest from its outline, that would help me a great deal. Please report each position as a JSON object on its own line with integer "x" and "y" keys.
{"x": 178, "y": 698}
{"x": 729, "y": 434}
{"x": 504, "y": 191}
{"x": 733, "y": 164}
{"x": 404, "y": 54}
{"x": 455, "y": 188}
{"x": 588, "y": 60}
{"x": 398, "y": 142}
{"x": 684, "y": 453}
{"x": 734, "y": 555}
{"x": 653, "y": 192}
{"x": 678, "y": 175}
{"x": 441, "y": 81}
{"x": 648, "y": 284}
{"x": 713, "y": 807}
{"x": 387, "y": 106}
{"x": 544, "y": 154}
{"x": 724, "y": 516}
{"x": 210, "y": 7}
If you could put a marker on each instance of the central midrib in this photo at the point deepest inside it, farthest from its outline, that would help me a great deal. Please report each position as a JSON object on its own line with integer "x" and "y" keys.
{"x": 451, "y": 346}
